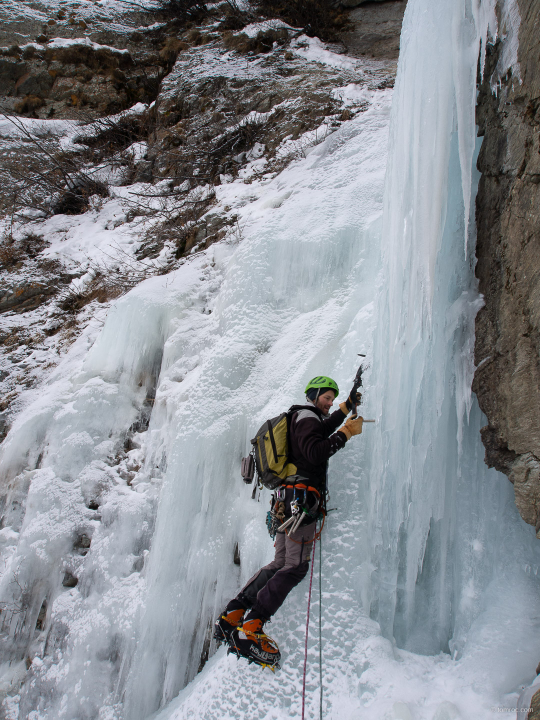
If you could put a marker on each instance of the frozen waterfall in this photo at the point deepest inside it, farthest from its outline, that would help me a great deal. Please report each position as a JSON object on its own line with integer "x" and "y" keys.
{"x": 124, "y": 471}
{"x": 436, "y": 512}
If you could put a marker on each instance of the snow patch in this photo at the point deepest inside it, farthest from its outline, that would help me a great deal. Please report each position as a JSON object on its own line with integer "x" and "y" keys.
{"x": 254, "y": 29}
{"x": 86, "y": 42}
{"x": 311, "y": 48}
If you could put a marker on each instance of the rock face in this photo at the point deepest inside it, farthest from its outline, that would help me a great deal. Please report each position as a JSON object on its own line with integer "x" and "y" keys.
{"x": 69, "y": 63}
{"x": 50, "y": 80}
{"x": 377, "y": 27}
{"x": 507, "y": 379}
{"x": 214, "y": 100}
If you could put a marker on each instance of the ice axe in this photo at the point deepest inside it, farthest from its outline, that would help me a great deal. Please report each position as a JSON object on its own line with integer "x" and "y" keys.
{"x": 356, "y": 397}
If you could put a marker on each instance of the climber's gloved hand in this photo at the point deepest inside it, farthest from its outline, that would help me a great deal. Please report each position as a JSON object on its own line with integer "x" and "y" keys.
{"x": 353, "y": 399}
{"x": 353, "y": 426}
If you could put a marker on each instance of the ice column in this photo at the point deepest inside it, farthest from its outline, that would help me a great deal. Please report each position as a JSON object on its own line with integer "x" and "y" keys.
{"x": 432, "y": 497}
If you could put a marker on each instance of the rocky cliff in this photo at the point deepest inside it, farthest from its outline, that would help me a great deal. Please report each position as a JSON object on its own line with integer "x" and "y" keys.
{"x": 507, "y": 379}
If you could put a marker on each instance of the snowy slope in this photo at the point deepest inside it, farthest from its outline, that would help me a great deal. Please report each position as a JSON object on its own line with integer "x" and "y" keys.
{"x": 297, "y": 296}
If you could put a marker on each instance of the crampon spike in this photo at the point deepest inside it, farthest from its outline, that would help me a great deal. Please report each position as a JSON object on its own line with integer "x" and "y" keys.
{"x": 273, "y": 668}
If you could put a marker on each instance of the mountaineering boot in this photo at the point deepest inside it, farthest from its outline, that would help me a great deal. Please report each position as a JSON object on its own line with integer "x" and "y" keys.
{"x": 231, "y": 617}
{"x": 250, "y": 642}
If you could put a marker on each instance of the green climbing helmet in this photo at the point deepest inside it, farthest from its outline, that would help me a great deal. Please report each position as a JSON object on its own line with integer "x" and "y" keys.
{"x": 321, "y": 381}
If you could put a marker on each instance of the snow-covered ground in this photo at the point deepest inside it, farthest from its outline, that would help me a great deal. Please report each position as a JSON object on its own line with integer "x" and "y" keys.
{"x": 130, "y": 450}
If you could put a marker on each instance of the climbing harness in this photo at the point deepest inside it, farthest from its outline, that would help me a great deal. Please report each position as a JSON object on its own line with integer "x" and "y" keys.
{"x": 275, "y": 517}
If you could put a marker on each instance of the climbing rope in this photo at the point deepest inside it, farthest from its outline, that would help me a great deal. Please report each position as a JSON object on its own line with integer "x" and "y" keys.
{"x": 320, "y": 627}
{"x": 307, "y": 627}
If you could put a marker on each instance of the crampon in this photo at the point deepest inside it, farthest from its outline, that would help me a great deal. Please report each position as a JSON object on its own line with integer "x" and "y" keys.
{"x": 255, "y": 646}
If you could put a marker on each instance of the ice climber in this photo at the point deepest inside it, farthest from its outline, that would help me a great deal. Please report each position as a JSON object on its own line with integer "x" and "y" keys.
{"x": 312, "y": 441}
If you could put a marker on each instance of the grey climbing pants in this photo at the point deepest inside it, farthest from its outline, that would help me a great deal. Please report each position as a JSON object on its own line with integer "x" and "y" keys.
{"x": 266, "y": 591}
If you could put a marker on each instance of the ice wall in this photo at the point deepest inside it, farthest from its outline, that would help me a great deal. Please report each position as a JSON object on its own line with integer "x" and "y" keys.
{"x": 78, "y": 517}
{"x": 208, "y": 353}
{"x": 420, "y": 526}
{"x": 297, "y": 296}
{"x": 436, "y": 544}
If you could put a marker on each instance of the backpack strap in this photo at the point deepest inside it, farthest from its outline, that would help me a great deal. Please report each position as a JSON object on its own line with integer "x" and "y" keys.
{"x": 272, "y": 440}
{"x": 305, "y": 412}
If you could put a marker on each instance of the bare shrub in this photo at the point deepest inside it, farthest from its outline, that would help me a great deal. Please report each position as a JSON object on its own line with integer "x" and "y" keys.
{"x": 112, "y": 278}
{"x": 177, "y": 226}
{"x": 74, "y": 199}
{"x": 73, "y": 302}
{"x": 213, "y": 154}
{"x": 263, "y": 42}
{"x": 318, "y": 18}
{"x": 10, "y": 255}
{"x": 41, "y": 178}
{"x": 184, "y": 10}
{"x": 110, "y": 135}
{"x": 233, "y": 143}
{"x": 13, "y": 252}
{"x": 29, "y": 104}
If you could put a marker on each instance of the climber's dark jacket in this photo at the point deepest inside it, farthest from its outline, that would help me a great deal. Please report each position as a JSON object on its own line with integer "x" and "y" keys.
{"x": 313, "y": 440}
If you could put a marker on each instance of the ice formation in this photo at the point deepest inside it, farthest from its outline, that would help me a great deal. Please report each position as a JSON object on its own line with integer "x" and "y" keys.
{"x": 129, "y": 457}
{"x": 435, "y": 549}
